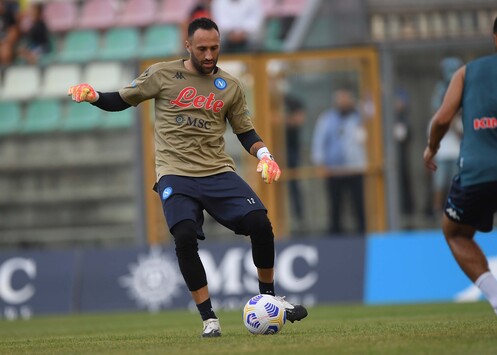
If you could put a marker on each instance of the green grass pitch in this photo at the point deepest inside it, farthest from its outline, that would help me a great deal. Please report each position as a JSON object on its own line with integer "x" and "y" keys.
{"x": 337, "y": 329}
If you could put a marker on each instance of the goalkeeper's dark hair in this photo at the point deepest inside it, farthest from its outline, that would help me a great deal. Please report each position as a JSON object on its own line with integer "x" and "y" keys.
{"x": 201, "y": 23}
{"x": 495, "y": 26}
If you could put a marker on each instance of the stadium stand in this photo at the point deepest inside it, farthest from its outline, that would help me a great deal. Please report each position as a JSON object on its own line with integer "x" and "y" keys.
{"x": 106, "y": 76}
{"x": 117, "y": 120}
{"x": 290, "y": 7}
{"x": 81, "y": 117}
{"x": 58, "y": 77}
{"x": 138, "y": 13}
{"x": 279, "y": 15}
{"x": 99, "y": 42}
{"x": 120, "y": 44}
{"x": 80, "y": 46}
{"x": 174, "y": 11}
{"x": 42, "y": 115}
{"x": 10, "y": 117}
{"x": 98, "y": 14}
{"x": 21, "y": 82}
{"x": 48, "y": 58}
{"x": 160, "y": 41}
{"x": 283, "y": 8}
{"x": 272, "y": 39}
{"x": 60, "y": 16}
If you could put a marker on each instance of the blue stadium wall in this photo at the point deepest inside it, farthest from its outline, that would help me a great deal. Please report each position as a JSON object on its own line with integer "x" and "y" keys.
{"x": 382, "y": 268}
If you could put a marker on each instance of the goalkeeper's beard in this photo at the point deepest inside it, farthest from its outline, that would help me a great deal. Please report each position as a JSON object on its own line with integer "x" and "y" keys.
{"x": 197, "y": 64}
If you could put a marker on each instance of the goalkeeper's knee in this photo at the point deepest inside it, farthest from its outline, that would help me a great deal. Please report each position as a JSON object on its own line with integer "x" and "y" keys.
{"x": 257, "y": 225}
{"x": 185, "y": 238}
{"x": 190, "y": 265}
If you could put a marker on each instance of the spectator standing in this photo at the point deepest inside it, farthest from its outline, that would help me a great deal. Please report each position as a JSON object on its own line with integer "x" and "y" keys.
{"x": 202, "y": 8}
{"x": 9, "y": 33}
{"x": 402, "y": 137}
{"x": 37, "y": 36}
{"x": 241, "y": 22}
{"x": 295, "y": 119}
{"x": 339, "y": 146}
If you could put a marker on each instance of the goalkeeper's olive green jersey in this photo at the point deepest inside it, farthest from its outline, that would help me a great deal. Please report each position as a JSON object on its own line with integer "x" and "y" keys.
{"x": 191, "y": 111}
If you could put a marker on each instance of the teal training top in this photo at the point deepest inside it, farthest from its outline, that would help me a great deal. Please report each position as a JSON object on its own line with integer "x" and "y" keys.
{"x": 478, "y": 153}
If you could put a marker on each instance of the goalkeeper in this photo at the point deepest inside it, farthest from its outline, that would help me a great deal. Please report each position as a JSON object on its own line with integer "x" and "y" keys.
{"x": 194, "y": 99}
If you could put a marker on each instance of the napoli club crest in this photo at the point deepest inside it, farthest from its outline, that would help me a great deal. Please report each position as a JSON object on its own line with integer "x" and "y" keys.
{"x": 220, "y": 83}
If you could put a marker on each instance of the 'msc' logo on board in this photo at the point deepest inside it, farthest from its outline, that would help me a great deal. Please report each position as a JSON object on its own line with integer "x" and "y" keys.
{"x": 15, "y": 295}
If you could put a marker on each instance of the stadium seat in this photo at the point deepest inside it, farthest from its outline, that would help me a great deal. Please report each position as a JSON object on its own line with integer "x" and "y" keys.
{"x": 283, "y": 8}
{"x": 20, "y": 83}
{"x": 58, "y": 78}
{"x": 160, "y": 41}
{"x": 42, "y": 115}
{"x": 118, "y": 120}
{"x": 10, "y": 117}
{"x": 120, "y": 44}
{"x": 81, "y": 117}
{"x": 271, "y": 7}
{"x": 174, "y": 11}
{"x": 80, "y": 46}
{"x": 138, "y": 13}
{"x": 272, "y": 40}
{"x": 292, "y": 7}
{"x": 104, "y": 76}
{"x": 60, "y": 16}
{"x": 98, "y": 14}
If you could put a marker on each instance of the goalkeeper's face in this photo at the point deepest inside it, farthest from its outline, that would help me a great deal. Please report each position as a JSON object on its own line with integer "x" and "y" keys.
{"x": 203, "y": 47}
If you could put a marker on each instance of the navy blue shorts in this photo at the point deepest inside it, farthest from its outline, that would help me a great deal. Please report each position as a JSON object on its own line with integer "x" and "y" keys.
{"x": 473, "y": 205}
{"x": 226, "y": 197}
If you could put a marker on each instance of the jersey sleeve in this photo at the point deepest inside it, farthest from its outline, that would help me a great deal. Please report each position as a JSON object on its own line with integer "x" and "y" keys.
{"x": 239, "y": 115}
{"x": 145, "y": 87}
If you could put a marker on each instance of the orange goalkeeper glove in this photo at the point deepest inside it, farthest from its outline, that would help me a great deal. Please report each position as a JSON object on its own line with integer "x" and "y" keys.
{"x": 269, "y": 169}
{"x": 83, "y": 92}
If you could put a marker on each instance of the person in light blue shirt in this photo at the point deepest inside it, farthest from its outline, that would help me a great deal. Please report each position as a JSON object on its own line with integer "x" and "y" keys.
{"x": 338, "y": 146}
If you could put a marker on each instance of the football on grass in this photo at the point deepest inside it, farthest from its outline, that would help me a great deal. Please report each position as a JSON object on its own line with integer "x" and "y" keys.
{"x": 264, "y": 314}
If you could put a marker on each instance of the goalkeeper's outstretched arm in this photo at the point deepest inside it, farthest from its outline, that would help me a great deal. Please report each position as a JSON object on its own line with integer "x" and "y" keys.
{"x": 109, "y": 101}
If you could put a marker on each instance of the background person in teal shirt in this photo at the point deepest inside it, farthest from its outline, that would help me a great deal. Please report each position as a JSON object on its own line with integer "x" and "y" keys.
{"x": 472, "y": 200}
